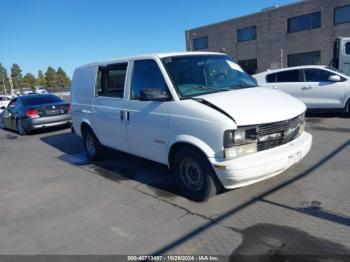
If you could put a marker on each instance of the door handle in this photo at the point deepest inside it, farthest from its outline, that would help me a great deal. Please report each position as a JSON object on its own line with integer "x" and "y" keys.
{"x": 275, "y": 87}
{"x": 127, "y": 116}
{"x": 307, "y": 87}
{"x": 121, "y": 115}
{"x": 346, "y": 63}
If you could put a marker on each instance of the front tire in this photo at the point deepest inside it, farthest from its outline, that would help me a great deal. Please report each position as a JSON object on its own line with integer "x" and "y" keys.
{"x": 20, "y": 128}
{"x": 195, "y": 175}
{"x": 94, "y": 149}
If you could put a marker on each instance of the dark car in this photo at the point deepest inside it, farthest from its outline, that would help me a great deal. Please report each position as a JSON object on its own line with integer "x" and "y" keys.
{"x": 31, "y": 112}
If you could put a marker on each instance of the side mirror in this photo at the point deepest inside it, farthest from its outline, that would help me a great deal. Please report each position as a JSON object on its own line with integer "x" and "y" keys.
{"x": 3, "y": 107}
{"x": 334, "y": 78}
{"x": 154, "y": 94}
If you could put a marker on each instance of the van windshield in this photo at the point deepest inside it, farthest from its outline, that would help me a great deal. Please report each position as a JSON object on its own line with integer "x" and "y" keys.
{"x": 204, "y": 74}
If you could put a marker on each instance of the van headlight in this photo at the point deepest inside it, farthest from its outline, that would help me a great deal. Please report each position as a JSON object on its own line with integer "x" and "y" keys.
{"x": 242, "y": 141}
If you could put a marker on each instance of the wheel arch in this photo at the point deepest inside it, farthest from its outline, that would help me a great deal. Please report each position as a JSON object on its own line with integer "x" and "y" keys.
{"x": 84, "y": 126}
{"x": 347, "y": 105}
{"x": 188, "y": 141}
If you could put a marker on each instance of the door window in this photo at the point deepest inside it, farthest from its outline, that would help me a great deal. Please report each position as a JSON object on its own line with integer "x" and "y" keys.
{"x": 317, "y": 75}
{"x": 146, "y": 74}
{"x": 347, "y": 48}
{"x": 110, "y": 80}
{"x": 289, "y": 76}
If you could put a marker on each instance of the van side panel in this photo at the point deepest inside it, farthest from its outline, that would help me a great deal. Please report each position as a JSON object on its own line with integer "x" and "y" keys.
{"x": 83, "y": 88}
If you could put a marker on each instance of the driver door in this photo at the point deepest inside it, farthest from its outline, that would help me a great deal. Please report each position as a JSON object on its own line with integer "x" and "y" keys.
{"x": 320, "y": 91}
{"x": 147, "y": 122}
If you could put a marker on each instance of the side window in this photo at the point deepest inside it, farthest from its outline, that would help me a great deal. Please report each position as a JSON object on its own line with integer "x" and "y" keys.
{"x": 110, "y": 80}
{"x": 317, "y": 75}
{"x": 12, "y": 104}
{"x": 347, "y": 48}
{"x": 271, "y": 78}
{"x": 146, "y": 75}
{"x": 289, "y": 76}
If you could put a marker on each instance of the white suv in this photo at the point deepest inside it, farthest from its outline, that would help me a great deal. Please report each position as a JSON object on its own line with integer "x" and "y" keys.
{"x": 319, "y": 87}
{"x": 197, "y": 112}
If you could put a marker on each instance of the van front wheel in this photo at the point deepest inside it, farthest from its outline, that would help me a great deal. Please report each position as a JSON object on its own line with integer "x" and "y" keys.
{"x": 94, "y": 149}
{"x": 195, "y": 175}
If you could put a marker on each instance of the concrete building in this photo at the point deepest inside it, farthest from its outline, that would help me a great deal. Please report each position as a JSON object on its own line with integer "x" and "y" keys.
{"x": 296, "y": 34}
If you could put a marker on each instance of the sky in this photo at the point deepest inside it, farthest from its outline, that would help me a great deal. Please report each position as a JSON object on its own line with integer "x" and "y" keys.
{"x": 70, "y": 33}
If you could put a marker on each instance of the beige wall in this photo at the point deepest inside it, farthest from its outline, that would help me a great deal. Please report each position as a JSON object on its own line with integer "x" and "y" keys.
{"x": 273, "y": 43}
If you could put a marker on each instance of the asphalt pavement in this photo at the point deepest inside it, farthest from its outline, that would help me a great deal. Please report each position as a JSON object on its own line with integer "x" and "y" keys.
{"x": 54, "y": 201}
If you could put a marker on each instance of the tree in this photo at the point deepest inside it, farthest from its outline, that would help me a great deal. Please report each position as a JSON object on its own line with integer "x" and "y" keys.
{"x": 28, "y": 80}
{"x": 51, "y": 77}
{"x": 62, "y": 78}
{"x": 41, "y": 80}
{"x": 16, "y": 74}
{"x": 4, "y": 83}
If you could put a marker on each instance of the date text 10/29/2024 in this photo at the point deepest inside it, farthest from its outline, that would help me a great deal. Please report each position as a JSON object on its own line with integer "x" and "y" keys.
{"x": 173, "y": 258}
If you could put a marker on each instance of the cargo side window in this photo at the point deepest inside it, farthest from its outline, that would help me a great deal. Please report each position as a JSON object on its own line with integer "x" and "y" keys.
{"x": 110, "y": 80}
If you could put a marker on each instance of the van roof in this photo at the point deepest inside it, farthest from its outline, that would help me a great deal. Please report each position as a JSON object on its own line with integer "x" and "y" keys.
{"x": 148, "y": 56}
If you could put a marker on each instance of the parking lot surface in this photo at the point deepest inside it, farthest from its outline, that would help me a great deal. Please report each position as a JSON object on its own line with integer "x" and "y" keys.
{"x": 54, "y": 201}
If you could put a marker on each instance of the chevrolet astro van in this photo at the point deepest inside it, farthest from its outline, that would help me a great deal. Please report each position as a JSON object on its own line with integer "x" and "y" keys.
{"x": 198, "y": 113}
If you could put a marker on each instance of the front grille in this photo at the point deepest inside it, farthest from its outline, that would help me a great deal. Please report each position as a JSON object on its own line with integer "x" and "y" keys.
{"x": 278, "y": 133}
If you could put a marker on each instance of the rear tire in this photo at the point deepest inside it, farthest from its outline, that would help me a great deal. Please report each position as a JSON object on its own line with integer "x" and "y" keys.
{"x": 94, "y": 149}
{"x": 20, "y": 128}
{"x": 195, "y": 175}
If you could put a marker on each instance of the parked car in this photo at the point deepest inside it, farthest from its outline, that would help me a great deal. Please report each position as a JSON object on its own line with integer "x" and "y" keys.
{"x": 319, "y": 87}
{"x": 27, "y": 113}
{"x": 40, "y": 90}
{"x": 4, "y": 101}
{"x": 27, "y": 91}
{"x": 197, "y": 112}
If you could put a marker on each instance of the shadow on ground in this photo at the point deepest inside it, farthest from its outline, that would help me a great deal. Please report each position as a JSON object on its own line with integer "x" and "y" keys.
{"x": 117, "y": 166}
{"x": 266, "y": 242}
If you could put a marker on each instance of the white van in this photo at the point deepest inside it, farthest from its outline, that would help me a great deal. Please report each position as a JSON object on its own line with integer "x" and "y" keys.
{"x": 198, "y": 113}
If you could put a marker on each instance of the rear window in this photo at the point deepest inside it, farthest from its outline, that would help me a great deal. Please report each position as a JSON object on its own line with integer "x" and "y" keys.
{"x": 271, "y": 78}
{"x": 39, "y": 100}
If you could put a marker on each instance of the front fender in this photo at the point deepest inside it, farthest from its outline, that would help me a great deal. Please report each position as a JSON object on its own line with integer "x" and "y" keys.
{"x": 200, "y": 144}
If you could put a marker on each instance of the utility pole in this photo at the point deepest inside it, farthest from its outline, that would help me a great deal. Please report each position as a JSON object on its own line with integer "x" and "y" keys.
{"x": 281, "y": 58}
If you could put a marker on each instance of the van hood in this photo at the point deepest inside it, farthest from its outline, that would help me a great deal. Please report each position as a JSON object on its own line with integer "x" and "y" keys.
{"x": 252, "y": 106}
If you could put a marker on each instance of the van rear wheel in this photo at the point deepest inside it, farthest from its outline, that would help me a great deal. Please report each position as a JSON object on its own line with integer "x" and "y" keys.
{"x": 94, "y": 149}
{"x": 195, "y": 175}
